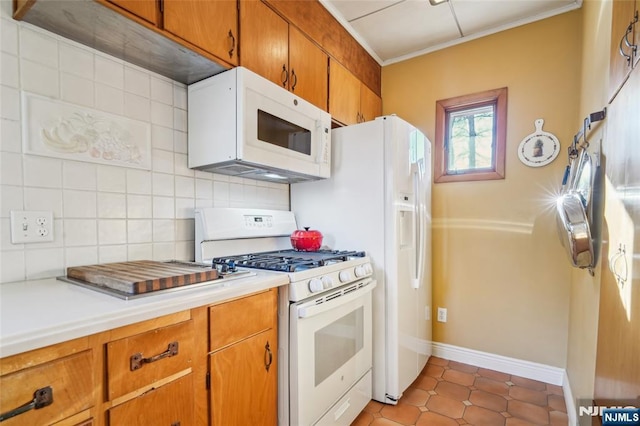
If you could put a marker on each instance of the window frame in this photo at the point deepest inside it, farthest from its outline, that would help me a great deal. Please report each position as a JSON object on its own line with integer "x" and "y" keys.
{"x": 497, "y": 97}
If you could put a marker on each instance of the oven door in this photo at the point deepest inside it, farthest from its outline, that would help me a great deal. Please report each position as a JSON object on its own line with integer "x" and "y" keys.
{"x": 330, "y": 349}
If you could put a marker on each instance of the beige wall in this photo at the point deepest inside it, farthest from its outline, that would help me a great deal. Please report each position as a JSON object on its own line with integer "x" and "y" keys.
{"x": 498, "y": 266}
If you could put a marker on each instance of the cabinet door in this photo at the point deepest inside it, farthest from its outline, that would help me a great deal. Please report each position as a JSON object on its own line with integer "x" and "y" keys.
{"x": 622, "y": 14}
{"x": 344, "y": 94}
{"x": 145, "y": 9}
{"x": 309, "y": 78}
{"x": 370, "y": 104}
{"x": 171, "y": 404}
{"x": 243, "y": 391}
{"x": 210, "y": 25}
{"x": 265, "y": 42}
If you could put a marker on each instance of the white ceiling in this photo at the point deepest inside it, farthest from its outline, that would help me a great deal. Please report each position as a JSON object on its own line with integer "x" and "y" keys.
{"x": 395, "y": 30}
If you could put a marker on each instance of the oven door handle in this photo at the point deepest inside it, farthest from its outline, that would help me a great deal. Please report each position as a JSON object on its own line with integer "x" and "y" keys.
{"x": 310, "y": 310}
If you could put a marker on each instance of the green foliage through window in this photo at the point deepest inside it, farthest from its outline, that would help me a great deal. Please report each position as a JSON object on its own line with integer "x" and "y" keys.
{"x": 471, "y": 139}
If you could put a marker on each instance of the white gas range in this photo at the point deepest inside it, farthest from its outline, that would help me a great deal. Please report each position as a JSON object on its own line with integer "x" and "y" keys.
{"x": 325, "y": 326}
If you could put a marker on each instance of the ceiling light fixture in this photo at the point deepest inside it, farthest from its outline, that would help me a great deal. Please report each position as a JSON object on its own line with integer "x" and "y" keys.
{"x": 437, "y": 2}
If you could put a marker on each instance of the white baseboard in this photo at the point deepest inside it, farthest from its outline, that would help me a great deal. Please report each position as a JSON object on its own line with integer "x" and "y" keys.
{"x": 527, "y": 369}
{"x": 569, "y": 401}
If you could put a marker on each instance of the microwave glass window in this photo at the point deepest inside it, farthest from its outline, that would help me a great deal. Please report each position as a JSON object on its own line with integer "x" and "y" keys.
{"x": 336, "y": 343}
{"x": 279, "y": 132}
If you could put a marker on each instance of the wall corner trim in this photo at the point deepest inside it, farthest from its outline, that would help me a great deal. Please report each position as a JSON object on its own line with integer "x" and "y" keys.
{"x": 569, "y": 401}
{"x": 527, "y": 369}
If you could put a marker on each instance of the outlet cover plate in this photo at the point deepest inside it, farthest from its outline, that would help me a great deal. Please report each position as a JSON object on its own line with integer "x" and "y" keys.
{"x": 31, "y": 226}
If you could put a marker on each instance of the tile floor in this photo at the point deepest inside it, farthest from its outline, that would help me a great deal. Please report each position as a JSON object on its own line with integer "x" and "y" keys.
{"x": 451, "y": 393}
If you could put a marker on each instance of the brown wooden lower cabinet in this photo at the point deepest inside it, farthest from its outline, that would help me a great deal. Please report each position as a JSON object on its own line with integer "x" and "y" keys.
{"x": 170, "y": 405}
{"x": 244, "y": 382}
{"x": 149, "y": 373}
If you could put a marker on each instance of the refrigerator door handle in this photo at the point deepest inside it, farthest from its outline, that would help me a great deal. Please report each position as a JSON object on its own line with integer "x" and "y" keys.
{"x": 418, "y": 187}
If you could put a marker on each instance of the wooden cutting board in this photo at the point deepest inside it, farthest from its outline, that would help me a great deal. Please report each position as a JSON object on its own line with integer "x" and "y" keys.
{"x": 142, "y": 276}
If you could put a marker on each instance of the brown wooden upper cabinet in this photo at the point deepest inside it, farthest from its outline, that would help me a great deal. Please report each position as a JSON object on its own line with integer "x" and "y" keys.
{"x": 350, "y": 100}
{"x": 625, "y": 41}
{"x": 210, "y": 25}
{"x": 281, "y": 53}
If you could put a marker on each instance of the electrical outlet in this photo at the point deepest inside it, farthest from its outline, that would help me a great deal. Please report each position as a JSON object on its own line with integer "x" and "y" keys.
{"x": 31, "y": 226}
{"x": 442, "y": 314}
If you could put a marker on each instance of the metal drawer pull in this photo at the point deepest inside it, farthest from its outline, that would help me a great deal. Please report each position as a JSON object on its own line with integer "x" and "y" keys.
{"x": 41, "y": 398}
{"x": 137, "y": 360}
{"x": 268, "y": 356}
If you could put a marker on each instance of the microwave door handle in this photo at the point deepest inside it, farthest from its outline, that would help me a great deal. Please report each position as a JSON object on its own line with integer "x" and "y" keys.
{"x": 312, "y": 310}
{"x": 322, "y": 156}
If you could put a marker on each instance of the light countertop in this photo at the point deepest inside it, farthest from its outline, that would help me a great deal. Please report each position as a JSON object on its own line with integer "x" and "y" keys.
{"x": 39, "y": 313}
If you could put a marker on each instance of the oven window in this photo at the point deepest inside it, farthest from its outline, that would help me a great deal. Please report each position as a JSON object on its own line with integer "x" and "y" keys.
{"x": 337, "y": 343}
{"x": 279, "y": 132}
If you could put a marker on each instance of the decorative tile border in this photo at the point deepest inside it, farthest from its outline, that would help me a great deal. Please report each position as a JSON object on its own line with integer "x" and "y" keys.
{"x": 54, "y": 128}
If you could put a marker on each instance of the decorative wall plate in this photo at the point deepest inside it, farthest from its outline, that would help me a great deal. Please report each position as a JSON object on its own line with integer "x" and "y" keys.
{"x": 539, "y": 148}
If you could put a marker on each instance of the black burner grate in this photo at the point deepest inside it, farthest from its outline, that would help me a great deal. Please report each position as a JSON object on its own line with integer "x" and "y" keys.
{"x": 286, "y": 260}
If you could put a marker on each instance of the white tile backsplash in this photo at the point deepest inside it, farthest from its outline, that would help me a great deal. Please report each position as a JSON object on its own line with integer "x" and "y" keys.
{"x": 77, "y": 90}
{"x": 109, "y": 71}
{"x": 39, "y": 78}
{"x": 112, "y": 205}
{"x": 44, "y": 199}
{"x": 11, "y": 198}
{"x": 112, "y": 231}
{"x": 112, "y": 179}
{"x": 79, "y": 256}
{"x": 44, "y": 263}
{"x": 76, "y": 60}
{"x": 9, "y": 70}
{"x": 37, "y": 46}
{"x": 9, "y": 103}
{"x": 78, "y": 175}
{"x": 109, "y": 99}
{"x": 136, "y": 81}
{"x": 9, "y": 35}
{"x": 10, "y": 134}
{"x": 42, "y": 171}
{"x": 138, "y": 182}
{"x": 162, "y": 90}
{"x": 136, "y": 106}
{"x": 102, "y": 213}
{"x": 79, "y": 204}
{"x": 80, "y": 232}
{"x": 10, "y": 168}
{"x": 139, "y": 206}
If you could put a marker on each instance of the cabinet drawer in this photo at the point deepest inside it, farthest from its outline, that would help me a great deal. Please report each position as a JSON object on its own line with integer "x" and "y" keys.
{"x": 233, "y": 321}
{"x": 71, "y": 382}
{"x": 140, "y": 360}
{"x": 171, "y": 404}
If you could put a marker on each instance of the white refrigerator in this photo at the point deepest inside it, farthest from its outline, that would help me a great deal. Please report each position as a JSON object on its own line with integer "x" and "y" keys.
{"x": 378, "y": 199}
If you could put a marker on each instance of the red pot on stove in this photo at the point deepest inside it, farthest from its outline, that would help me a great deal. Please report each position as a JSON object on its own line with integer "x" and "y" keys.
{"x": 307, "y": 240}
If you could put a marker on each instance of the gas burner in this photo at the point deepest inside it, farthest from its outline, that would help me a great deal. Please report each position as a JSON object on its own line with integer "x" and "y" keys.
{"x": 287, "y": 260}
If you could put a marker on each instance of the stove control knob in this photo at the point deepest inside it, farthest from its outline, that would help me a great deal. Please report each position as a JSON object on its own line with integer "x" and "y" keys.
{"x": 344, "y": 276}
{"x": 315, "y": 285}
{"x": 368, "y": 268}
{"x": 360, "y": 271}
{"x": 327, "y": 282}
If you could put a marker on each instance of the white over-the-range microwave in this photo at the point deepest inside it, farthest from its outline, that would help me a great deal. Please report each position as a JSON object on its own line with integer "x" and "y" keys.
{"x": 242, "y": 124}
